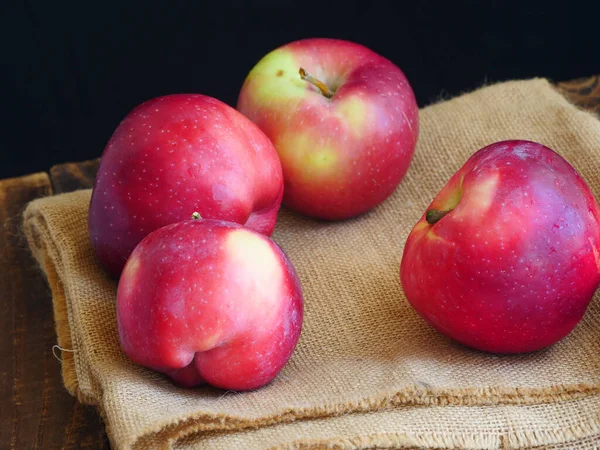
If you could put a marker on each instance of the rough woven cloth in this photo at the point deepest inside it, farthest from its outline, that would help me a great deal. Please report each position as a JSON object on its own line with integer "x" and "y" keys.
{"x": 367, "y": 372}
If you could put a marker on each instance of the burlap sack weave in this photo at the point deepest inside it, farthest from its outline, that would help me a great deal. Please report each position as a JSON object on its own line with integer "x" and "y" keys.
{"x": 367, "y": 372}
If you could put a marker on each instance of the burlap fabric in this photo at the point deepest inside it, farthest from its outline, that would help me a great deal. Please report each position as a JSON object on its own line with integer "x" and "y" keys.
{"x": 367, "y": 372}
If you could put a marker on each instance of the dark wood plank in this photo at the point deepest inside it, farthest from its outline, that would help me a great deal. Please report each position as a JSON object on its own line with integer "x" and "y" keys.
{"x": 72, "y": 176}
{"x": 584, "y": 92}
{"x": 36, "y": 412}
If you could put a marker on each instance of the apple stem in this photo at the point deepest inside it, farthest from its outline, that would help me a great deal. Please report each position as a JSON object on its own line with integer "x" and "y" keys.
{"x": 196, "y": 215}
{"x": 318, "y": 83}
{"x": 434, "y": 215}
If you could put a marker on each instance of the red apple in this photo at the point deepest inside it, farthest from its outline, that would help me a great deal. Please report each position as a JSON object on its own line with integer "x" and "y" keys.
{"x": 174, "y": 155}
{"x": 505, "y": 259}
{"x": 343, "y": 119}
{"x": 208, "y": 301}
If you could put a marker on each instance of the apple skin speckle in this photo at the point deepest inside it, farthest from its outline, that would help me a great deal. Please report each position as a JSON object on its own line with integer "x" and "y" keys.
{"x": 370, "y": 122}
{"x": 207, "y": 301}
{"x": 513, "y": 265}
{"x": 176, "y": 155}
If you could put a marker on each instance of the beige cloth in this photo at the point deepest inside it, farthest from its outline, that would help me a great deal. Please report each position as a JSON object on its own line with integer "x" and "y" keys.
{"x": 367, "y": 371}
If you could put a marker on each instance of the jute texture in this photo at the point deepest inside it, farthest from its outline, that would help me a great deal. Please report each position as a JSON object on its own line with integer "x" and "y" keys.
{"x": 367, "y": 372}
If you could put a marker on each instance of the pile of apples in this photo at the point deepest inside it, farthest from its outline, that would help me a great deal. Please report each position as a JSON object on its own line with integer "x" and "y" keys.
{"x": 187, "y": 194}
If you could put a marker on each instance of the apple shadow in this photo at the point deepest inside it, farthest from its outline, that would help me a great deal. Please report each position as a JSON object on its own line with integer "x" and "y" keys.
{"x": 395, "y": 337}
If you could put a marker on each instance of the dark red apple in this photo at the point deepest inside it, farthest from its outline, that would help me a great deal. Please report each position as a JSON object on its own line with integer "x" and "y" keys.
{"x": 505, "y": 259}
{"x": 207, "y": 301}
{"x": 174, "y": 155}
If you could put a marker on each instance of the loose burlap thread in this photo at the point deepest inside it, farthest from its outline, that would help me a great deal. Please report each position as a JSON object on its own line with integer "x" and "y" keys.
{"x": 367, "y": 371}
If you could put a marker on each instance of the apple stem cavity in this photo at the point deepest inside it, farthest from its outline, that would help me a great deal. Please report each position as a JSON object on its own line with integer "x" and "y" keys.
{"x": 318, "y": 83}
{"x": 196, "y": 215}
{"x": 433, "y": 216}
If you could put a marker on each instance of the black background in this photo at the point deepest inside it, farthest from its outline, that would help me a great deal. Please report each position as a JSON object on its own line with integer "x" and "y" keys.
{"x": 71, "y": 72}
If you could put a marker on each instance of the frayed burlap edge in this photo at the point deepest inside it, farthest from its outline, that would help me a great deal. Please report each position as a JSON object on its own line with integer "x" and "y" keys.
{"x": 584, "y": 430}
{"x": 440, "y": 441}
{"x": 202, "y": 423}
{"x": 38, "y": 242}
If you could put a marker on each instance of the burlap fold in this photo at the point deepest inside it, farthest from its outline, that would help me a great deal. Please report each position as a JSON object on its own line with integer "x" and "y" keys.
{"x": 367, "y": 371}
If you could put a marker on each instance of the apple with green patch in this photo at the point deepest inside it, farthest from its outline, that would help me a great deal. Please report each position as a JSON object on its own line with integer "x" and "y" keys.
{"x": 207, "y": 301}
{"x": 505, "y": 259}
{"x": 344, "y": 121}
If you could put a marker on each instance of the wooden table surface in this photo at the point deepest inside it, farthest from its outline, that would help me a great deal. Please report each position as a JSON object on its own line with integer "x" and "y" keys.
{"x": 36, "y": 412}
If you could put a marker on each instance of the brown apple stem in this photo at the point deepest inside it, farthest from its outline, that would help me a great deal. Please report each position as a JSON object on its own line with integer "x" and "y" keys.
{"x": 318, "y": 83}
{"x": 434, "y": 215}
{"x": 196, "y": 215}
